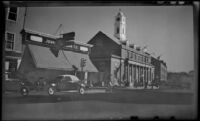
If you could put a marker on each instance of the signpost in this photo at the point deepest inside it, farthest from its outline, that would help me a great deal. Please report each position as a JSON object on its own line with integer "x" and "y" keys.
{"x": 82, "y": 64}
{"x": 61, "y": 42}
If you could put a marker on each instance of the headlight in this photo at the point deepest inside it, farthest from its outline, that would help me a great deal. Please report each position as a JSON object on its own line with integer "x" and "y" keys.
{"x": 53, "y": 84}
{"x": 22, "y": 83}
{"x": 83, "y": 85}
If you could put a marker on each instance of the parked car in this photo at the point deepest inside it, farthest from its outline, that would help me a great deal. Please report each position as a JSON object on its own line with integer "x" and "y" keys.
{"x": 66, "y": 83}
{"x": 26, "y": 87}
{"x": 19, "y": 85}
{"x": 40, "y": 84}
{"x": 12, "y": 85}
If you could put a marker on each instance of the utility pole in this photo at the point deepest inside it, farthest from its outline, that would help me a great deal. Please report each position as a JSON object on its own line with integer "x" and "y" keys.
{"x": 24, "y": 17}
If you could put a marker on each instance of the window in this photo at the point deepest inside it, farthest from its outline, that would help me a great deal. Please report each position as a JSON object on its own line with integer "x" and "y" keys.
{"x": 10, "y": 66}
{"x": 76, "y": 47}
{"x": 131, "y": 55}
{"x": 142, "y": 59}
{"x": 67, "y": 79}
{"x": 117, "y": 30}
{"x": 36, "y": 38}
{"x": 82, "y": 48}
{"x": 12, "y": 13}
{"x": 136, "y": 57}
{"x": 10, "y": 38}
{"x": 118, "y": 18}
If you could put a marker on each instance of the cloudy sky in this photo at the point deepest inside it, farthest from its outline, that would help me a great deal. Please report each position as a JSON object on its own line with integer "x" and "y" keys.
{"x": 166, "y": 30}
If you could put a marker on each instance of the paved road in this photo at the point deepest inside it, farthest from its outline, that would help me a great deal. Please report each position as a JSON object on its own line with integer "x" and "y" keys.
{"x": 117, "y": 96}
{"x": 118, "y": 104}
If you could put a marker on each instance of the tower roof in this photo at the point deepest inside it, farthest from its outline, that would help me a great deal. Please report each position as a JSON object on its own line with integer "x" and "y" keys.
{"x": 120, "y": 13}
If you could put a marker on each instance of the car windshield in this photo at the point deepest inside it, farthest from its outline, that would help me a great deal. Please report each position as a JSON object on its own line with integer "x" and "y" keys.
{"x": 74, "y": 78}
{"x": 58, "y": 78}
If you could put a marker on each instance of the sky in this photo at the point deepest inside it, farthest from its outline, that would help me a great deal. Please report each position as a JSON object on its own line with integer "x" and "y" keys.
{"x": 166, "y": 30}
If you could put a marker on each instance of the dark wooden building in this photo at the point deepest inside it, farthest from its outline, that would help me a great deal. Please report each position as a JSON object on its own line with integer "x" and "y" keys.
{"x": 125, "y": 64}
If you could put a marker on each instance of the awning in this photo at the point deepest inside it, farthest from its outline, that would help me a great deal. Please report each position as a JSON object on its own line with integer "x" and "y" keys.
{"x": 75, "y": 59}
{"x": 43, "y": 58}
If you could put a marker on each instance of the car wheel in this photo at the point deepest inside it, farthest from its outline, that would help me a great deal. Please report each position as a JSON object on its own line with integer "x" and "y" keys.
{"x": 51, "y": 91}
{"x": 24, "y": 91}
{"x": 82, "y": 90}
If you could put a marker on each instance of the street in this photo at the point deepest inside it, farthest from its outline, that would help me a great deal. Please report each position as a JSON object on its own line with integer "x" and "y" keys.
{"x": 118, "y": 104}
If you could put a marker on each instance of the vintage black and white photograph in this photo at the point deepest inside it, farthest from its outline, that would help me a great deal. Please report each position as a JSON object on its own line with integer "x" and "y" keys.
{"x": 82, "y": 61}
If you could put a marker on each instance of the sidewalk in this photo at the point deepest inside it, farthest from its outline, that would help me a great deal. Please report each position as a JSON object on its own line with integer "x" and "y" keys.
{"x": 135, "y": 88}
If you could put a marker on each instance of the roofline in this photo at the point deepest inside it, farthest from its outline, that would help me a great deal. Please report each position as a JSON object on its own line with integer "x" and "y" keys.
{"x": 41, "y": 33}
{"x": 82, "y": 43}
{"x": 134, "y": 50}
{"x": 104, "y": 35}
{"x": 66, "y": 75}
{"x": 54, "y": 37}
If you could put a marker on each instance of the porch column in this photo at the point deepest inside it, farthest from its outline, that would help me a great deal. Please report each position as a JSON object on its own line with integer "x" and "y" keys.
{"x": 150, "y": 75}
{"x": 136, "y": 73}
{"x": 133, "y": 78}
{"x": 128, "y": 73}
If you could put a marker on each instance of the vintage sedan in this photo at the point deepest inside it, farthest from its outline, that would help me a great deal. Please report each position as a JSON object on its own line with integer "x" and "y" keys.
{"x": 19, "y": 85}
{"x": 66, "y": 83}
{"x": 26, "y": 87}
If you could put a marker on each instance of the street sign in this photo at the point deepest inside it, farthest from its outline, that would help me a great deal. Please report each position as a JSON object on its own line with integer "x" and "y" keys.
{"x": 69, "y": 36}
{"x": 61, "y": 42}
{"x": 83, "y": 62}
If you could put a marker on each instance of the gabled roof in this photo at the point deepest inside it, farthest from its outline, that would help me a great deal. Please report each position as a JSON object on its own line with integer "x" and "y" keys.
{"x": 43, "y": 58}
{"x": 101, "y": 35}
{"x": 41, "y": 34}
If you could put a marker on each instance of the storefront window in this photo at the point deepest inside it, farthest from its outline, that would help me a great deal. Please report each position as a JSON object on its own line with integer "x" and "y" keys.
{"x": 10, "y": 66}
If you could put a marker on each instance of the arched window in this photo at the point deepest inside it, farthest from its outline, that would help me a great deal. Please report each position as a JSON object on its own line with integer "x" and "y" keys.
{"x": 117, "y": 30}
{"x": 118, "y": 18}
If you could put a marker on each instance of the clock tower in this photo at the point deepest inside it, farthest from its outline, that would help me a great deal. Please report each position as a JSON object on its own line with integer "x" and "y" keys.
{"x": 120, "y": 27}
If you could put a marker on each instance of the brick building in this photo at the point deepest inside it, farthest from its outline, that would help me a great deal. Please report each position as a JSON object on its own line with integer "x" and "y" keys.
{"x": 160, "y": 69}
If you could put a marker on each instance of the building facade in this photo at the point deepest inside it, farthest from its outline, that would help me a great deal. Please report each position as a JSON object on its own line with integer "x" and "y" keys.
{"x": 14, "y": 22}
{"x": 160, "y": 69}
{"x": 127, "y": 64}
